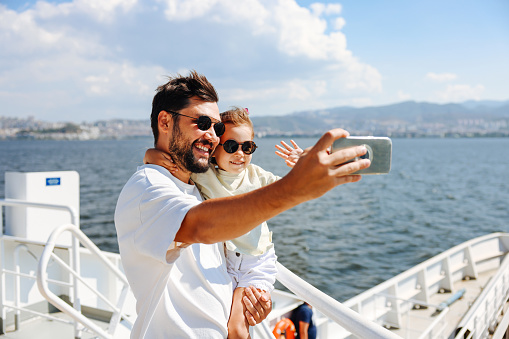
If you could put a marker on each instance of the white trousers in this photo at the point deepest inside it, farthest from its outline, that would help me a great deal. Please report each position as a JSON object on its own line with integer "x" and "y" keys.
{"x": 251, "y": 270}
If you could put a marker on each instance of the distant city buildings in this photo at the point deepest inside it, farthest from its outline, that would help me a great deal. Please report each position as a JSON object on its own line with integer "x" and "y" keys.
{"x": 469, "y": 128}
{"x": 29, "y": 128}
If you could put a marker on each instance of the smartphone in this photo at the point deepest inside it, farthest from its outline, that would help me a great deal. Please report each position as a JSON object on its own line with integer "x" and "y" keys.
{"x": 379, "y": 152}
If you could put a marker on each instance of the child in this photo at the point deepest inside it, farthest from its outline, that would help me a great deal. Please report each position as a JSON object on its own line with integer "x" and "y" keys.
{"x": 250, "y": 258}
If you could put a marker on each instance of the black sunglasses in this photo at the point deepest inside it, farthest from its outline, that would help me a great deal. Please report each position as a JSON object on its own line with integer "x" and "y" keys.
{"x": 204, "y": 122}
{"x": 231, "y": 146}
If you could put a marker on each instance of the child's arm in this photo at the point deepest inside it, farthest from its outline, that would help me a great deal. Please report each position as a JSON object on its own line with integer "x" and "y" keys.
{"x": 157, "y": 157}
{"x": 291, "y": 155}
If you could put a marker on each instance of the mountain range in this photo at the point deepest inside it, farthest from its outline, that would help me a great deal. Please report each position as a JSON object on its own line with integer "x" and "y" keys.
{"x": 420, "y": 118}
{"x": 405, "y": 119}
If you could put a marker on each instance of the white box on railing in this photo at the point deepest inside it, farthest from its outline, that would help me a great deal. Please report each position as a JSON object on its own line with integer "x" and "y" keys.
{"x": 58, "y": 188}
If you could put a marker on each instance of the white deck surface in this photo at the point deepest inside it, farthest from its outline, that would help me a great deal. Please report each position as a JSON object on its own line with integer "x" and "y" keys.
{"x": 419, "y": 319}
{"x": 42, "y": 328}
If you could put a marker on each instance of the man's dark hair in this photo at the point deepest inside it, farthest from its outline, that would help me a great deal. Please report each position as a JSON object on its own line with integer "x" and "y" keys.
{"x": 175, "y": 95}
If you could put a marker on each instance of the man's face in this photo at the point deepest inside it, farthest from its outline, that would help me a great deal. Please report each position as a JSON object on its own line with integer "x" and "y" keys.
{"x": 189, "y": 146}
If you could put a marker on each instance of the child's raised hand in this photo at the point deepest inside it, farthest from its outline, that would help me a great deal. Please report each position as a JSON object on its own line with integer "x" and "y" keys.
{"x": 157, "y": 157}
{"x": 289, "y": 154}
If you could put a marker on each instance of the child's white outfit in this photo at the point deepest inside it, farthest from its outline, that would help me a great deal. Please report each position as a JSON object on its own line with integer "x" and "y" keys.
{"x": 251, "y": 259}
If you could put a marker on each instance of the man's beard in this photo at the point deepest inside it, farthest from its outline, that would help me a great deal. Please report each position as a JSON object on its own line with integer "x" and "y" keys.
{"x": 181, "y": 152}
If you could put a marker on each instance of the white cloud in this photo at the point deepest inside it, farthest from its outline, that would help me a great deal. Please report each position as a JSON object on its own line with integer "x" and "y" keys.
{"x": 186, "y": 10}
{"x": 365, "y": 101}
{"x": 21, "y": 35}
{"x": 402, "y": 96}
{"x": 320, "y": 9}
{"x": 339, "y": 23}
{"x": 333, "y": 9}
{"x": 303, "y": 34}
{"x": 441, "y": 77}
{"x": 98, "y": 10}
{"x": 459, "y": 93}
{"x": 111, "y": 55}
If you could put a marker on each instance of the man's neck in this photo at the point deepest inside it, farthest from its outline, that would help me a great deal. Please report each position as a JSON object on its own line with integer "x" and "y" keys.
{"x": 180, "y": 174}
{"x": 185, "y": 177}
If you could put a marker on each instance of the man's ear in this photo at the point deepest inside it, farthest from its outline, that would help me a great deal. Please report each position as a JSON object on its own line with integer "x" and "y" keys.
{"x": 164, "y": 121}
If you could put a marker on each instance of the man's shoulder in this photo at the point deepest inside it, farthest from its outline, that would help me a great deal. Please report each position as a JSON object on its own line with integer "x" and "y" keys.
{"x": 155, "y": 174}
{"x": 146, "y": 177}
{"x": 151, "y": 175}
{"x": 303, "y": 309}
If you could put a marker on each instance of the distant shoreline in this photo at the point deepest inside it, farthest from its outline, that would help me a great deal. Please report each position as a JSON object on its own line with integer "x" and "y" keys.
{"x": 403, "y": 120}
{"x": 275, "y": 136}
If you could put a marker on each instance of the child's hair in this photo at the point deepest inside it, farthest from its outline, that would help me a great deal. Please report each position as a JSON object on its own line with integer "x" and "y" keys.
{"x": 237, "y": 116}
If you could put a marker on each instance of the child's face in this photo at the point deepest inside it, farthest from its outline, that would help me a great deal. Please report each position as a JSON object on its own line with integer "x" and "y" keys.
{"x": 234, "y": 162}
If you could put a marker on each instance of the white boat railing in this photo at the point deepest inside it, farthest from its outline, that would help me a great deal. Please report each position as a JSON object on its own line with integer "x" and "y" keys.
{"x": 74, "y": 284}
{"x": 481, "y": 319}
{"x": 42, "y": 282}
{"x": 435, "y": 328}
{"x": 477, "y": 323}
{"x": 21, "y": 203}
{"x": 344, "y": 316}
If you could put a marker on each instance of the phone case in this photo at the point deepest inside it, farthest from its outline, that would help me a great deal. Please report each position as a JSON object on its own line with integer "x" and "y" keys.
{"x": 379, "y": 152}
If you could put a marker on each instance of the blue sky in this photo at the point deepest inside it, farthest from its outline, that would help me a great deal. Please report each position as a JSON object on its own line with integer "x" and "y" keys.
{"x": 86, "y": 60}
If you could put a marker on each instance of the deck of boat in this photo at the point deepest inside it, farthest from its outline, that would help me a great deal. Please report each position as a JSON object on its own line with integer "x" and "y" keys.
{"x": 418, "y": 319}
{"x": 43, "y": 328}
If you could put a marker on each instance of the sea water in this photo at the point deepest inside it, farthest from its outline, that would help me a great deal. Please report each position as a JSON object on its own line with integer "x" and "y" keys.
{"x": 439, "y": 193}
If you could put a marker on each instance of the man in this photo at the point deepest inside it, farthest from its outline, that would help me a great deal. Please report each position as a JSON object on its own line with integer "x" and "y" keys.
{"x": 302, "y": 318}
{"x": 171, "y": 242}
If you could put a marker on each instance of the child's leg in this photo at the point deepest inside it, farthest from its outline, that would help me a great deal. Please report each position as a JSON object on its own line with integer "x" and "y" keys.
{"x": 238, "y": 327}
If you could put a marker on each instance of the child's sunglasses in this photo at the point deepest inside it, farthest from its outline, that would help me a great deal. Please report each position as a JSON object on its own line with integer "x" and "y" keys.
{"x": 204, "y": 122}
{"x": 231, "y": 146}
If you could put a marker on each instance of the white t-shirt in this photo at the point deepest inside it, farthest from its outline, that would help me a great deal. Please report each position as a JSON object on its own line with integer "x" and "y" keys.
{"x": 217, "y": 183}
{"x": 181, "y": 290}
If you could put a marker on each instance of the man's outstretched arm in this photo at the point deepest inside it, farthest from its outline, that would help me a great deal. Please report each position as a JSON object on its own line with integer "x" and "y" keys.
{"x": 317, "y": 172}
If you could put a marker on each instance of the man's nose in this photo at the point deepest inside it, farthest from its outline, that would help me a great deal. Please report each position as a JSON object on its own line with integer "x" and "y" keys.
{"x": 210, "y": 135}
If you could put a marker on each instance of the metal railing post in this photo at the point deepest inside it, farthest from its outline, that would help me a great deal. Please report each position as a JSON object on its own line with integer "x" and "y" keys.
{"x": 76, "y": 298}
{"x": 42, "y": 280}
{"x": 21, "y": 203}
{"x": 2, "y": 284}
{"x": 17, "y": 284}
